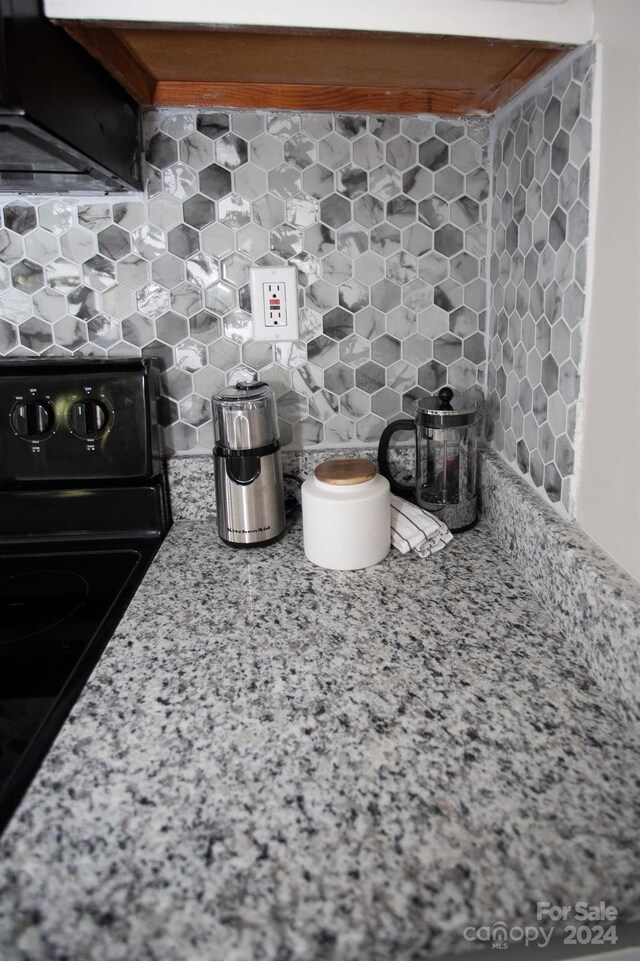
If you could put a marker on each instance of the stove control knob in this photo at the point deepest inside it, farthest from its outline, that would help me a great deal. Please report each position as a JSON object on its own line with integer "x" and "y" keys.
{"x": 32, "y": 419}
{"x": 88, "y": 418}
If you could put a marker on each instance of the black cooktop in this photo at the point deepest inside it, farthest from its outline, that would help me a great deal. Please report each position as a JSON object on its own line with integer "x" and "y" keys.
{"x": 84, "y": 506}
{"x": 57, "y": 611}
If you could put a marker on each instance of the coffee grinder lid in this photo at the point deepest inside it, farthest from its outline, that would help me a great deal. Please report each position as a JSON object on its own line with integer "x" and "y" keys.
{"x": 244, "y": 417}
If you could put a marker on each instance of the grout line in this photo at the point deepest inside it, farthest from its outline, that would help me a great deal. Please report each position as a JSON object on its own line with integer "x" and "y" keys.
{"x": 488, "y": 253}
{"x": 586, "y": 322}
{"x": 42, "y": 197}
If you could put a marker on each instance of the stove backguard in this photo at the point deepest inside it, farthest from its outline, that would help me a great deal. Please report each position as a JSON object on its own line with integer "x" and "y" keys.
{"x": 81, "y": 450}
{"x": 78, "y": 422}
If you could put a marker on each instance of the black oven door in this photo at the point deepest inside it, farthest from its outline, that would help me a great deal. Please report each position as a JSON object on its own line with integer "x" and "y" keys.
{"x": 58, "y": 610}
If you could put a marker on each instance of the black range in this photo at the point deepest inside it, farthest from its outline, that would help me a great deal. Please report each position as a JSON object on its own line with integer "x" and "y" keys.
{"x": 84, "y": 507}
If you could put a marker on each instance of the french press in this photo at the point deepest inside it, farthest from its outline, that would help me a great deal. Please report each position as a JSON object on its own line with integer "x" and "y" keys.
{"x": 446, "y": 458}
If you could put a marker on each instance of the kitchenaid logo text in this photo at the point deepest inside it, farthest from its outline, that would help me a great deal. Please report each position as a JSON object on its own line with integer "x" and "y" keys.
{"x": 240, "y": 530}
{"x": 579, "y": 926}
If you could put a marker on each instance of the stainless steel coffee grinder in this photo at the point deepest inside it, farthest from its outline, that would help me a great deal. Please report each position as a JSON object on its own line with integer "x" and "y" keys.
{"x": 248, "y": 467}
{"x": 446, "y": 429}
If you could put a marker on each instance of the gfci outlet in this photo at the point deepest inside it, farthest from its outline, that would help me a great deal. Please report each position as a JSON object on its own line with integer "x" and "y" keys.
{"x": 274, "y": 303}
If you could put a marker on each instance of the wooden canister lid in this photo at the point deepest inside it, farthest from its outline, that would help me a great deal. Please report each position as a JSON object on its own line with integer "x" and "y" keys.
{"x": 344, "y": 471}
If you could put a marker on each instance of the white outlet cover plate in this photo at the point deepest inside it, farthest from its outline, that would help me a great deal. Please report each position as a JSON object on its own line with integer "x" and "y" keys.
{"x": 274, "y": 275}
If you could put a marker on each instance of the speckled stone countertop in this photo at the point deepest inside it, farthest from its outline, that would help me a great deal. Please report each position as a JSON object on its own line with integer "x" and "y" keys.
{"x": 277, "y": 763}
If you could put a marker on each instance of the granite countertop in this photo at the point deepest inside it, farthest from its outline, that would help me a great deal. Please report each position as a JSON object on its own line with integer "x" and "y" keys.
{"x": 272, "y": 761}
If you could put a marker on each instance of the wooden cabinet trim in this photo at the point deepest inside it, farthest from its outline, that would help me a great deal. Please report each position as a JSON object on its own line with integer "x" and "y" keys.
{"x": 315, "y": 70}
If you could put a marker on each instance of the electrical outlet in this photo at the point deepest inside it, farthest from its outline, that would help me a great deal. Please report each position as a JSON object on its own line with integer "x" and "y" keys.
{"x": 274, "y": 303}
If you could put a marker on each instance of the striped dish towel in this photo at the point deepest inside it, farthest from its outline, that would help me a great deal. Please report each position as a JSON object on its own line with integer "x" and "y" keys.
{"x": 413, "y": 529}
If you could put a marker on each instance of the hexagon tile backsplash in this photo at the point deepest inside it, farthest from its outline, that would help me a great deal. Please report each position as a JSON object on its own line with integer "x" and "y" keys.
{"x": 541, "y": 161}
{"x": 385, "y": 219}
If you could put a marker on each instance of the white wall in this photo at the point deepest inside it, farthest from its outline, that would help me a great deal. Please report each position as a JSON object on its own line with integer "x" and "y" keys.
{"x": 608, "y": 491}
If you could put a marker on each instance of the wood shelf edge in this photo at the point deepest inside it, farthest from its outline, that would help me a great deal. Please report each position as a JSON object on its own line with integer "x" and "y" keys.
{"x": 154, "y": 80}
{"x": 313, "y": 97}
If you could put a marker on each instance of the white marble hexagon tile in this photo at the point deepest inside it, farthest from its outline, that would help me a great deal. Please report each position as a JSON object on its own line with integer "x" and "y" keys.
{"x": 540, "y": 217}
{"x": 384, "y": 217}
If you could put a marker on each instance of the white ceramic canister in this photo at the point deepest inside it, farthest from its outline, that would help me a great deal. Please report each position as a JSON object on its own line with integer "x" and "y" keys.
{"x": 346, "y": 515}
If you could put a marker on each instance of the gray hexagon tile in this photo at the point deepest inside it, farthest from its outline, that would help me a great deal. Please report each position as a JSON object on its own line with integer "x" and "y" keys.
{"x": 537, "y": 274}
{"x": 385, "y": 219}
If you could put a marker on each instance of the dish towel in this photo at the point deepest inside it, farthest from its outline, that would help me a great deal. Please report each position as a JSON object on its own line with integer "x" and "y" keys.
{"x": 413, "y": 529}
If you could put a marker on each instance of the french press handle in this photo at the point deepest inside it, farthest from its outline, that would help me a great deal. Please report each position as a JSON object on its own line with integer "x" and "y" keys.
{"x": 402, "y": 490}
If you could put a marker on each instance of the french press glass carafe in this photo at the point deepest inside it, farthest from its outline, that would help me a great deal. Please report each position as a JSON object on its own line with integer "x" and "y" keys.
{"x": 446, "y": 458}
